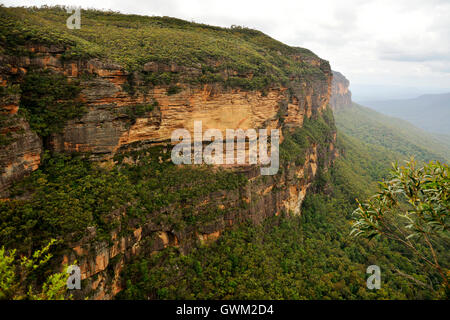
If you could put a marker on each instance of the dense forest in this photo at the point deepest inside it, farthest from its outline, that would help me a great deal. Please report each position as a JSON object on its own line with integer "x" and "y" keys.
{"x": 308, "y": 257}
{"x": 312, "y": 256}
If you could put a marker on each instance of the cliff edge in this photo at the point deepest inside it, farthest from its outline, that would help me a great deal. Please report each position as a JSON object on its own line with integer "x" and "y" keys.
{"x": 112, "y": 93}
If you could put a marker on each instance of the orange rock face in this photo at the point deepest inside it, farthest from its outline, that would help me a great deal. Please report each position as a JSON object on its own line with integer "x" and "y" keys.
{"x": 341, "y": 97}
{"x": 107, "y": 128}
{"x": 11, "y": 108}
{"x": 231, "y": 109}
{"x": 21, "y": 154}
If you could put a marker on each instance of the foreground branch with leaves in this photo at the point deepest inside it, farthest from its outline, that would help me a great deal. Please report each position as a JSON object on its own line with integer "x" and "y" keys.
{"x": 16, "y": 277}
{"x": 411, "y": 208}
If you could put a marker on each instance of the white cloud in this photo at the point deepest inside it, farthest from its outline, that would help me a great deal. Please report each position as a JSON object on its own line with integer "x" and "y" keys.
{"x": 404, "y": 42}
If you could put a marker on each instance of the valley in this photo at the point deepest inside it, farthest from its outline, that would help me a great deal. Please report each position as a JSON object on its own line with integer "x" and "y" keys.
{"x": 86, "y": 121}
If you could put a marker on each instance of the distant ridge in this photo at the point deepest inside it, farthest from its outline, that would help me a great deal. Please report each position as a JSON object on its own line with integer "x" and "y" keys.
{"x": 430, "y": 112}
{"x": 341, "y": 96}
{"x": 398, "y": 137}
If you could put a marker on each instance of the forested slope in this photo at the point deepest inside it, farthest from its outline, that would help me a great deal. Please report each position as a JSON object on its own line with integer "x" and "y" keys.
{"x": 394, "y": 134}
{"x": 307, "y": 257}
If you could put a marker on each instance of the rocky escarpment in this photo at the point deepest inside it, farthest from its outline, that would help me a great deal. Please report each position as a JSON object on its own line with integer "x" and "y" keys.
{"x": 341, "y": 96}
{"x": 20, "y": 147}
{"x": 127, "y": 112}
{"x": 101, "y": 262}
{"x": 109, "y": 127}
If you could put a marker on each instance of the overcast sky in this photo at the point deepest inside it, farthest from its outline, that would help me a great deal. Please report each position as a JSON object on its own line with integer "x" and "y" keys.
{"x": 380, "y": 42}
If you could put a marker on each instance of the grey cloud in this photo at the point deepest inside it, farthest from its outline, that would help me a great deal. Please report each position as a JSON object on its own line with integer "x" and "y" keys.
{"x": 414, "y": 57}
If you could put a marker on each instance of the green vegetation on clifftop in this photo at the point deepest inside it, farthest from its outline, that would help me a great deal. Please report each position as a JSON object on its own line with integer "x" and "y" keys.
{"x": 239, "y": 56}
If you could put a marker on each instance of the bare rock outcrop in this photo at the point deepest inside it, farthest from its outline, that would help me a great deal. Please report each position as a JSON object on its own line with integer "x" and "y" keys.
{"x": 341, "y": 96}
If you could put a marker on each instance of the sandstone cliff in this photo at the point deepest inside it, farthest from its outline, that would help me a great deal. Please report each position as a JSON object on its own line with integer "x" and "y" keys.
{"x": 341, "y": 96}
{"x": 124, "y": 113}
{"x": 107, "y": 125}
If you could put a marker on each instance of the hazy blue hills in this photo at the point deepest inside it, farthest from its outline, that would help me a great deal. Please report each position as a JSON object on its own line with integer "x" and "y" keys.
{"x": 430, "y": 112}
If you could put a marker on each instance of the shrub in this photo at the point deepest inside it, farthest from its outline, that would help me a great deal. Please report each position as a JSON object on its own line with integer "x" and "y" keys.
{"x": 48, "y": 100}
